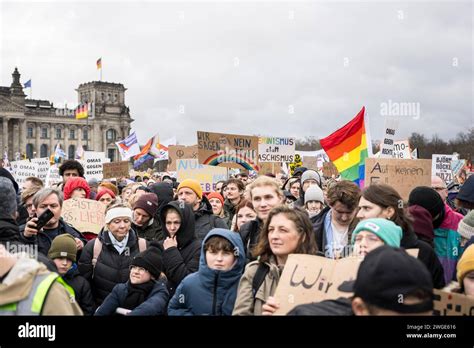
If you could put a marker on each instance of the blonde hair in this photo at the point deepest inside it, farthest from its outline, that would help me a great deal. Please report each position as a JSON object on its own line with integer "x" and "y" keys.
{"x": 265, "y": 181}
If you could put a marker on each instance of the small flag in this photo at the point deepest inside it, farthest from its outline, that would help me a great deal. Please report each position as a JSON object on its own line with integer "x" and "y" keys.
{"x": 163, "y": 155}
{"x": 128, "y": 147}
{"x": 82, "y": 111}
{"x": 58, "y": 153}
{"x": 80, "y": 152}
{"x": 155, "y": 146}
{"x": 99, "y": 63}
{"x": 28, "y": 84}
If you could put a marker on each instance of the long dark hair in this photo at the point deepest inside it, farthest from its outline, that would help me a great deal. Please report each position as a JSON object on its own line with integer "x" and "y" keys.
{"x": 307, "y": 243}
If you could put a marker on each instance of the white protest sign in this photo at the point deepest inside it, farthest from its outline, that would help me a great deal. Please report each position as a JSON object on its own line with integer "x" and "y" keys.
{"x": 441, "y": 166}
{"x": 93, "y": 168}
{"x": 401, "y": 149}
{"x": 43, "y": 167}
{"x": 391, "y": 126}
{"x": 24, "y": 169}
{"x": 53, "y": 176}
{"x": 207, "y": 176}
{"x": 275, "y": 149}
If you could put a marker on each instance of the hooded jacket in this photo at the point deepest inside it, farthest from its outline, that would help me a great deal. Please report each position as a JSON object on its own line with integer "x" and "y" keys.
{"x": 111, "y": 269}
{"x": 182, "y": 260}
{"x": 208, "y": 291}
{"x": 206, "y": 220}
{"x": 17, "y": 285}
{"x": 9, "y": 230}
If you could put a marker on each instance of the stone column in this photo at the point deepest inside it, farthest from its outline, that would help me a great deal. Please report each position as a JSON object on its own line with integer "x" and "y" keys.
{"x": 22, "y": 139}
{"x": 66, "y": 140}
{"x": 37, "y": 140}
{"x": 5, "y": 136}
{"x": 15, "y": 139}
{"x": 79, "y": 135}
{"x": 104, "y": 139}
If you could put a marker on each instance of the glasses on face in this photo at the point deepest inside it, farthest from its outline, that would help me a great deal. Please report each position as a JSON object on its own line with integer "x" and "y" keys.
{"x": 137, "y": 269}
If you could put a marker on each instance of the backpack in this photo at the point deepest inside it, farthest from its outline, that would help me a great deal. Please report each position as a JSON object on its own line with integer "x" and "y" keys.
{"x": 259, "y": 277}
{"x": 98, "y": 249}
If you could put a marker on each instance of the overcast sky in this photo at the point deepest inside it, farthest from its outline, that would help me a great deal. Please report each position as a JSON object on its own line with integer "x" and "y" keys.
{"x": 271, "y": 68}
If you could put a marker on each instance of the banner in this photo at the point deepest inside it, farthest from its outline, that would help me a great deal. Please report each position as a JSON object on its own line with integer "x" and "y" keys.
{"x": 86, "y": 215}
{"x": 402, "y": 175}
{"x": 441, "y": 166}
{"x": 386, "y": 148}
{"x": 24, "y": 169}
{"x": 401, "y": 149}
{"x": 274, "y": 149}
{"x": 309, "y": 278}
{"x": 207, "y": 176}
{"x": 43, "y": 167}
{"x": 53, "y": 177}
{"x": 116, "y": 170}
{"x": 93, "y": 167}
{"x": 176, "y": 152}
{"x": 128, "y": 147}
{"x": 228, "y": 150}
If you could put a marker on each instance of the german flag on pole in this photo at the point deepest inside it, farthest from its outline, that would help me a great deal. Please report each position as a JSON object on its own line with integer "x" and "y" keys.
{"x": 99, "y": 63}
{"x": 82, "y": 111}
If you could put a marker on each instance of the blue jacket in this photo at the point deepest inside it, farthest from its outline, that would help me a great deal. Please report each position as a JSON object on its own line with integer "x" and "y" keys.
{"x": 155, "y": 304}
{"x": 208, "y": 291}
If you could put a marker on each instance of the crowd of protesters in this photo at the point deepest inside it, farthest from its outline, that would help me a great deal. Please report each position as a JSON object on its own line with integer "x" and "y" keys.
{"x": 168, "y": 248}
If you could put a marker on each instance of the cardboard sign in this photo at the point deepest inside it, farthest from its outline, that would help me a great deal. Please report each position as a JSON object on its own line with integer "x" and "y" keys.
{"x": 310, "y": 163}
{"x": 274, "y": 149}
{"x": 116, "y": 170}
{"x": 330, "y": 170}
{"x": 86, "y": 215}
{"x": 228, "y": 150}
{"x": 43, "y": 167}
{"x": 93, "y": 167}
{"x": 402, "y": 175}
{"x": 386, "y": 149}
{"x": 53, "y": 177}
{"x": 449, "y": 303}
{"x": 441, "y": 166}
{"x": 401, "y": 149}
{"x": 207, "y": 176}
{"x": 309, "y": 278}
{"x": 268, "y": 167}
{"x": 414, "y": 154}
{"x": 24, "y": 169}
{"x": 176, "y": 152}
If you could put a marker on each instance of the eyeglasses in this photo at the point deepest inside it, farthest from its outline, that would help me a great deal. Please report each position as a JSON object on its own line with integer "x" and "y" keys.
{"x": 140, "y": 270}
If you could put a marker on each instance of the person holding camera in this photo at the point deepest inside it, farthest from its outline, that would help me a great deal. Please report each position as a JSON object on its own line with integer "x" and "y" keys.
{"x": 48, "y": 224}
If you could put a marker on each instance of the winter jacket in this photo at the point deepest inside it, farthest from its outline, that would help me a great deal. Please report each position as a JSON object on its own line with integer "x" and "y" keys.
{"x": 208, "y": 291}
{"x": 246, "y": 303}
{"x": 205, "y": 220}
{"x": 229, "y": 211}
{"x": 182, "y": 260}
{"x": 152, "y": 230}
{"x": 43, "y": 240}
{"x": 82, "y": 289}
{"x": 155, "y": 303}
{"x": 249, "y": 232}
{"x": 17, "y": 286}
{"x": 426, "y": 255}
{"x": 111, "y": 269}
{"x": 9, "y": 230}
{"x": 339, "y": 307}
{"x": 447, "y": 243}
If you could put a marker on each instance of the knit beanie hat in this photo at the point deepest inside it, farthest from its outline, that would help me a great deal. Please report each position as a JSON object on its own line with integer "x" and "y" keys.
{"x": 8, "y": 204}
{"x": 310, "y": 174}
{"x": 466, "y": 192}
{"x": 102, "y": 192}
{"x": 193, "y": 185}
{"x": 465, "y": 264}
{"x": 148, "y": 202}
{"x": 314, "y": 193}
{"x": 216, "y": 195}
{"x": 63, "y": 245}
{"x": 150, "y": 260}
{"x": 75, "y": 183}
{"x": 423, "y": 222}
{"x": 429, "y": 199}
{"x": 466, "y": 226}
{"x": 386, "y": 230}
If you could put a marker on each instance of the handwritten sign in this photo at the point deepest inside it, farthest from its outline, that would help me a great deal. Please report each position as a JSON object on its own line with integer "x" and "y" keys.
{"x": 448, "y": 303}
{"x": 93, "y": 167}
{"x": 386, "y": 149}
{"x": 53, "y": 177}
{"x": 403, "y": 175}
{"x": 228, "y": 150}
{"x": 207, "y": 176}
{"x": 401, "y": 149}
{"x": 309, "y": 278}
{"x": 441, "y": 166}
{"x": 176, "y": 152}
{"x": 330, "y": 170}
{"x": 24, "y": 169}
{"x": 267, "y": 167}
{"x": 274, "y": 149}
{"x": 311, "y": 162}
{"x": 86, "y": 215}
{"x": 43, "y": 167}
{"x": 116, "y": 169}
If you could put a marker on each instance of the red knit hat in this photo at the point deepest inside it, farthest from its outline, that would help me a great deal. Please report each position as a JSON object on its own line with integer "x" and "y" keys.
{"x": 103, "y": 191}
{"x": 75, "y": 183}
{"x": 216, "y": 195}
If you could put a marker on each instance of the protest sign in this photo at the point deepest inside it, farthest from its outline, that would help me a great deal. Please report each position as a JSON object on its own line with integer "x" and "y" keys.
{"x": 267, "y": 167}
{"x": 93, "y": 167}
{"x": 53, "y": 177}
{"x": 457, "y": 166}
{"x": 43, "y": 167}
{"x": 330, "y": 170}
{"x": 449, "y": 303}
{"x": 296, "y": 164}
{"x": 386, "y": 149}
{"x": 414, "y": 154}
{"x": 86, "y": 215}
{"x": 176, "y": 152}
{"x": 403, "y": 175}
{"x": 24, "y": 169}
{"x": 309, "y": 278}
{"x": 310, "y": 162}
{"x": 401, "y": 149}
{"x": 275, "y": 149}
{"x": 116, "y": 170}
{"x": 441, "y": 166}
{"x": 207, "y": 176}
{"x": 228, "y": 150}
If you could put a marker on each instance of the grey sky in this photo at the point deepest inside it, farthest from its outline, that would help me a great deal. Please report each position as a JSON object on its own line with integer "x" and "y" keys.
{"x": 284, "y": 69}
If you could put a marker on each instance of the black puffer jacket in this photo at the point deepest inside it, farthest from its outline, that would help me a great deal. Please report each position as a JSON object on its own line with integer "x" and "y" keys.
{"x": 82, "y": 290}
{"x": 249, "y": 232}
{"x": 180, "y": 261}
{"x": 111, "y": 269}
{"x": 426, "y": 255}
{"x": 44, "y": 240}
{"x": 205, "y": 219}
{"x": 9, "y": 230}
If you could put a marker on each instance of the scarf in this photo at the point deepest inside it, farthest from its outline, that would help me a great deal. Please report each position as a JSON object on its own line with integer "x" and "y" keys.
{"x": 137, "y": 294}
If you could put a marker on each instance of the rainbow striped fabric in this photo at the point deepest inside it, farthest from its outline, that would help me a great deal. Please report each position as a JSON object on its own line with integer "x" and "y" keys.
{"x": 347, "y": 149}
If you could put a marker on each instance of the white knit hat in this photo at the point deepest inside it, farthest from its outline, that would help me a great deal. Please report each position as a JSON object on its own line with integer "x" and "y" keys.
{"x": 314, "y": 193}
{"x": 466, "y": 226}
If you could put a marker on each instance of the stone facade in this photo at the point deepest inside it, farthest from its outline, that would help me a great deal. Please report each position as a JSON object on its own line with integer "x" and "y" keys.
{"x": 32, "y": 128}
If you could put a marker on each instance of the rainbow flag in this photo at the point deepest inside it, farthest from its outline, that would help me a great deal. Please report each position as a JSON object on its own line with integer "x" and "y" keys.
{"x": 347, "y": 149}
{"x": 144, "y": 155}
